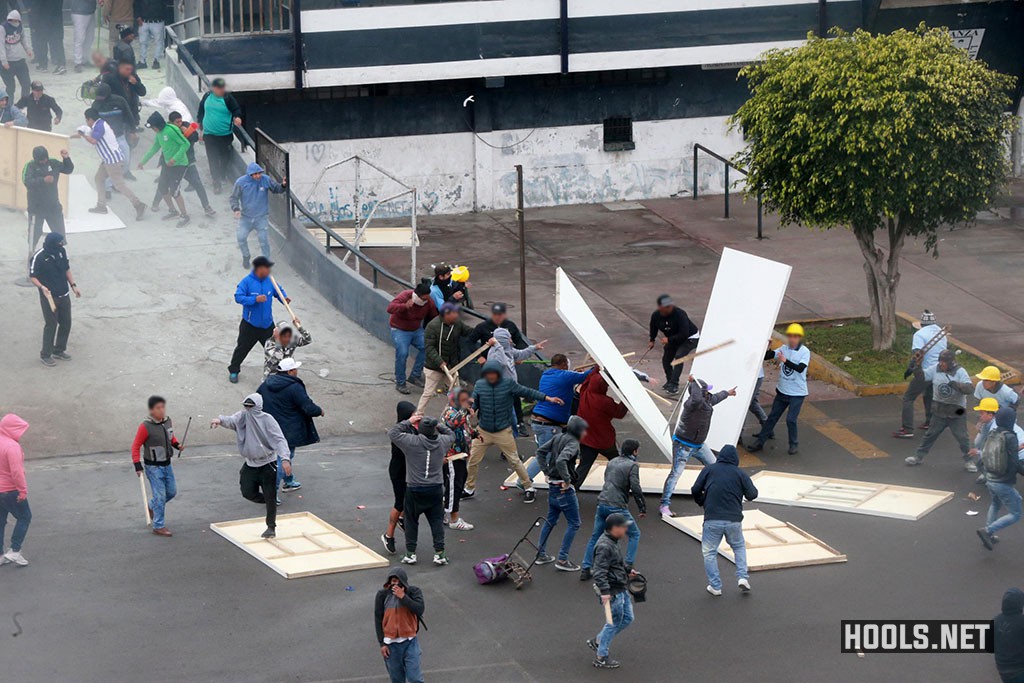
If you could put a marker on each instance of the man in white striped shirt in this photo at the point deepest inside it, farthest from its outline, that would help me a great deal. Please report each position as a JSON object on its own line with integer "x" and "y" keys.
{"x": 99, "y": 134}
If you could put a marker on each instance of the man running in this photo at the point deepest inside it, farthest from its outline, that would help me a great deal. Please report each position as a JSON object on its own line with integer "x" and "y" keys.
{"x": 152, "y": 450}
{"x": 951, "y": 385}
{"x": 250, "y": 202}
{"x": 286, "y": 400}
{"x": 256, "y": 293}
{"x": 558, "y": 459}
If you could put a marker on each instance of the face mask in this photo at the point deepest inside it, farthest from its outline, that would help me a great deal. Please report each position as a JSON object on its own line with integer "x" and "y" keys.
{"x": 418, "y": 301}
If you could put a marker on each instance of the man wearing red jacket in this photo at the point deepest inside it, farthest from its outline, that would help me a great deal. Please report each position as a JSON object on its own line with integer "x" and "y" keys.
{"x": 598, "y": 409}
{"x": 410, "y": 311}
{"x": 154, "y": 446}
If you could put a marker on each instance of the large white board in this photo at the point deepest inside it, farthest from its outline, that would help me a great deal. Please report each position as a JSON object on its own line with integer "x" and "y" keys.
{"x": 743, "y": 307}
{"x": 578, "y": 317}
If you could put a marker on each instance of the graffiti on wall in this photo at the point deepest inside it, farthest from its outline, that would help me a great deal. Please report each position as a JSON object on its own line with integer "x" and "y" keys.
{"x": 334, "y": 207}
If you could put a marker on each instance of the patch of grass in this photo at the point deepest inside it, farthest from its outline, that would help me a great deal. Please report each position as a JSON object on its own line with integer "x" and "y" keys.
{"x": 853, "y": 339}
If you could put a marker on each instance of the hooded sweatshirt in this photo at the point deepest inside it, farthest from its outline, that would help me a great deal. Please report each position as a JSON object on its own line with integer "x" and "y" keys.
{"x": 622, "y": 480}
{"x": 1008, "y": 635}
{"x": 599, "y": 409}
{"x": 170, "y": 141}
{"x": 12, "y": 39}
{"x": 50, "y": 265}
{"x": 1004, "y": 431}
{"x": 695, "y": 420}
{"x": 12, "y": 457}
{"x": 257, "y": 313}
{"x": 558, "y": 456}
{"x": 397, "y": 620}
{"x": 43, "y": 196}
{"x": 505, "y": 354}
{"x": 260, "y": 440}
{"x": 10, "y": 113}
{"x": 493, "y": 401}
{"x": 560, "y": 383}
{"x": 404, "y": 411}
{"x": 721, "y": 487}
{"x": 950, "y": 387}
{"x": 442, "y": 342}
{"x": 424, "y": 455}
{"x": 250, "y": 195}
{"x": 113, "y": 109}
{"x": 285, "y": 398}
{"x": 167, "y": 100}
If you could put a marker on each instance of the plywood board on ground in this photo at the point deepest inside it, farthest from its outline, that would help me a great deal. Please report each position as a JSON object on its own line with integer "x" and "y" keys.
{"x": 771, "y": 543}
{"x": 652, "y": 478}
{"x": 305, "y": 545}
{"x": 371, "y": 237}
{"x": 844, "y": 495}
{"x": 743, "y": 307}
{"x": 578, "y": 317}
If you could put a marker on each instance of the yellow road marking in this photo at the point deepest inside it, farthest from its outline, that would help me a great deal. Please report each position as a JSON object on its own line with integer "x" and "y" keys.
{"x": 835, "y": 431}
{"x": 748, "y": 459}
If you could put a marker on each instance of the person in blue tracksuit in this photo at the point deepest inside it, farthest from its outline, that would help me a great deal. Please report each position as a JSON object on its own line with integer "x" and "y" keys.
{"x": 251, "y": 204}
{"x": 549, "y": 419}
{"x": 255, "y": 292}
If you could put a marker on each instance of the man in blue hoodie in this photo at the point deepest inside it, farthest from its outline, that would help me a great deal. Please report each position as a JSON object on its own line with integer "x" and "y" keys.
{"x": 255, "y": 292}
{"x": 720, "y": 489}
{"x": 549, "y": 419}
{"x": 251, "y": 205}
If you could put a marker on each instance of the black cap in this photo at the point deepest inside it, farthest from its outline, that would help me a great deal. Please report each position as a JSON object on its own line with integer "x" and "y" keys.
{"x": 261, "y": 261}
{"x": 665, "y": 300}
{"x": 630, "y": 447}
{"x": 428, "y": 427}
{"x": 218, "y": 83}
{"x": 616, "y": 519}
{"x": 499, "y": 307}
{"x": 127, "y": 31}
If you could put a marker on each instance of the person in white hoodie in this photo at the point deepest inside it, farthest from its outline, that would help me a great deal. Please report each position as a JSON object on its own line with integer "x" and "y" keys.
{"x": 167, "y": 101}
{"x": 507, "y": 355}
{"x": 261, "y": 443}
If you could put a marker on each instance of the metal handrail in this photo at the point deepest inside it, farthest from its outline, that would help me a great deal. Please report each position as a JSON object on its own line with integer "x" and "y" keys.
{"x": 728, "y": 164}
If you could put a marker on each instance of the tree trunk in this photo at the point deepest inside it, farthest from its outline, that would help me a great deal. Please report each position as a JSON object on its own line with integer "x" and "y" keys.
{"x": 883, "y": 276}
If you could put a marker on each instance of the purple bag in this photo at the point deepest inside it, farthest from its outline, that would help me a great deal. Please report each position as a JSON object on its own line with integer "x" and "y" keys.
{"x": 491, "y": 570}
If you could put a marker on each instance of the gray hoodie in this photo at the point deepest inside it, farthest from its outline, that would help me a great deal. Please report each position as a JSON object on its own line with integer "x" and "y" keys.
{"x": 424, "y": 455}
{"x": 260, "y": 440}
{"x": 12, "y": 43}
{"x": 558, "y": 456}
{"x": 506, "y": 355}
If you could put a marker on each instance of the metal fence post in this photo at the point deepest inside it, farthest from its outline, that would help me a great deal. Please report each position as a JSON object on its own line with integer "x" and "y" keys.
{"x": 695, "y": 148}
{"x": 759, "y": 235}
{"x": 522, "y": 244}
{"x": 415, "y": 197}
{"x": 727, "y": 189}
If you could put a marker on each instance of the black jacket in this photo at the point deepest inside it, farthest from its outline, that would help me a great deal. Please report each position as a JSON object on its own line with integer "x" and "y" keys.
{"x": 558, "y": 456}
{"x": 150, "y": 10}
{"x": 1008, "y": 635}
{"x": 42, "y": 196}
{"x": 131, "y": 94}
{"x": 1004, "y": 422}
{"x": 676, "y": 326}
{"x": 40, "y": 113}
{"x": 609, "y": 570}
{"x": 697, "y": 411}
{"x": 50, "y": 265}
{"x": 485, "y": 331}
{"x": 622, "y": 479}
{"x": 721, "y": 487}
{"x": 123, "y": 51}
{"x": 286, "y": 400}
{"x": 116, "y": 111}
{"x": 413, "y": 601}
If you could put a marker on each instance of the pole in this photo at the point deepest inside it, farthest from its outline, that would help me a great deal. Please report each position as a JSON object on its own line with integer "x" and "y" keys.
{"x": 412, "y": 249}
{"x": 522, "y": 246}
{"x": 760, "y": 214}
{"x": 695, "y": 172}
{"x": 726, "y": 190}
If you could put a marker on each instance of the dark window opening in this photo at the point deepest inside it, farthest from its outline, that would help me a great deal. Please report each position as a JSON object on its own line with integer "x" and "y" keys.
{"x": 618, "y": 134}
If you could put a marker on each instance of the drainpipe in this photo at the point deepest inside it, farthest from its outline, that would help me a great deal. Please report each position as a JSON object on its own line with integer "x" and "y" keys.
{"x": 299, "y": 57}
{"x": 563, "y": 33}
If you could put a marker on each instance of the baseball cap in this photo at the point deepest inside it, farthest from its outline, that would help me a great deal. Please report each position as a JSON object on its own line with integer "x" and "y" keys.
{"x": 288, "y": 364}
{"x": 262, "y": 261}
{"x": 499, "y": 307}
{"x": 665, "y": 300}
{"x": 285, "y": 325}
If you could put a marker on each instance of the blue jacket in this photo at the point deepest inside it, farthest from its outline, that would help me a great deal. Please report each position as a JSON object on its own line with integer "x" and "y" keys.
{"x": 560, "y": 383}
{"x": 250, "y": 195}
{"x": 721, "y": 487}
{"x": 286, "y": 400}
{"x": 493, "y": 402}
{"x": 257, "y": 313}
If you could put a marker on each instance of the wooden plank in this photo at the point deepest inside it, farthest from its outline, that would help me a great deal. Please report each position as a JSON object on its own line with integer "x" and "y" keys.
{"x": 843, "y": 495}
{"x": 770, "y": 543}
{"x": 305, "y": 545}
{"x": 652, "y": 478}
{"x": 372, "y": 236}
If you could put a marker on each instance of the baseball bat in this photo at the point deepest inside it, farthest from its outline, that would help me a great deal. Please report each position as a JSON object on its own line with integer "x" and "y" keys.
{"x": 608, "y": 612}
{"x": 689, "y": 356}
{"x": 280, "y": 295}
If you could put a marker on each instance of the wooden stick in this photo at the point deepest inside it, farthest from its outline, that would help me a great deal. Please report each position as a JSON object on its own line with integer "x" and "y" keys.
{"x": 145, "y": 497}
{"x": 453, "y": 373}
{"x": 608, "y": 612}
{"x": 281, "y": 296}
{"x": 689, "y": 356}
{"x": 585, "y": 366}
{"x": 659, "y": 397}
{"x": 49, "y": 299}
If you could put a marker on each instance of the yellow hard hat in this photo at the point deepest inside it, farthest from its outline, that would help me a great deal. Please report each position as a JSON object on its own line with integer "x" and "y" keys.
{"x": 795, "y": 328}
{"x": 988, "y": 405}
{"x": 460, "y": 274}
{"x": 991, "y": 373}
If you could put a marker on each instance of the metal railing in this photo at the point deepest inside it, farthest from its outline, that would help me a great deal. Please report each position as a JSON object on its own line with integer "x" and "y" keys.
{"x": 225, "y": 17}
{"x": 728, "y": 164}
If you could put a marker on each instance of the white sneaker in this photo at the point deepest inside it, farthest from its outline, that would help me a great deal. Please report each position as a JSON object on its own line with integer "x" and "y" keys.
{"x": 460, "y": 525}
{"x": 15, "y": 557}
{"x": 714, "y": 591}
{"x": 744, "y": 585}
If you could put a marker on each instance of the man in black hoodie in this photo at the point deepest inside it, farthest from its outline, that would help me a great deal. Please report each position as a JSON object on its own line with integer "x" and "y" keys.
{"x": 558, "y": 460}
{"x": 396, "y": 472}
{"x": 679, "y": 338}
{"x": 50, "y": 272}
{"x": 1008, "y": 637}
{"x": 720, "y": 489}
{"x": 286, "y": 400}
{"x": 1002, "y": 465}
{"x": 397, "y": 615}
{"x": 41, "y": 177}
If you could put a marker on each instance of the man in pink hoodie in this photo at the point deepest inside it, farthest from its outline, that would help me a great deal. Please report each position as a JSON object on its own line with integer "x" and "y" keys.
{"x": 13, "y": 488}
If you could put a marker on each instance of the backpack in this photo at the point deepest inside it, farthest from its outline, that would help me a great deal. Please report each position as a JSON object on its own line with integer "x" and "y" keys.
{"x": 993, "y": 452}
{"x": 491, "y": 570}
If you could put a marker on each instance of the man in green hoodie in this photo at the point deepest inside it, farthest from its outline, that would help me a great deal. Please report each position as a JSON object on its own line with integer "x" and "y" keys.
{"x": 442, "y": 339}
{"x": 173, "y": 146}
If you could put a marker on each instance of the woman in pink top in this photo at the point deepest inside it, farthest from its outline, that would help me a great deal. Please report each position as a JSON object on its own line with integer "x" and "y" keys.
{"x": 13, "y": 488}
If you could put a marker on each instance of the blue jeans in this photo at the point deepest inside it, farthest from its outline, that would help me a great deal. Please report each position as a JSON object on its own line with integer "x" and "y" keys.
{"x": 247, "y": 224}
{"x": 9, "y": 505}
{"x": 782, "y": 403}
{"x": 402, "y": 341}
{"x": 711, "y": 536}
{"x": 622, "y": 617}
{"x": 281, "y": 477}
{"x": 404, "y": 662}
{"x": 561, "y": 503}
{"x": 541, "y": 434}
{"x": 151, "y": 35}
{"x": 681, "y": 453}
{"x": 755, "y": 405}
{"x": 164, "y": 489}
{"x": 1003, "y": 495}
{"x": 633, "y": 532}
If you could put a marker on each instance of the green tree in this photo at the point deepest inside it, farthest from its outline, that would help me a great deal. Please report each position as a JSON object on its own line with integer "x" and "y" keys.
{"x": 890, "y": 136}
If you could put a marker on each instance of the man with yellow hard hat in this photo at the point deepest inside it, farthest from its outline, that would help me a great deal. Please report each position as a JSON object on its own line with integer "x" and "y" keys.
{"x": 991, "y": 386}
{"x": 791, "y": 389}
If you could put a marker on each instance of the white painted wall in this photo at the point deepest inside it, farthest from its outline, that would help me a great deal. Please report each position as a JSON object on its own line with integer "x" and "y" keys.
{"x": 460, "y": 172}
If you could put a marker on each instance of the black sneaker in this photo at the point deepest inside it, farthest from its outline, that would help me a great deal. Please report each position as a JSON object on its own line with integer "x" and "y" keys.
{"x": 792, "y": 450}
{"x": 173, "y": 215}
{"x": 60, "y": 355}
{"x": 209, "y": 211}
{"x": 986, "y": 538}
{"x": 592, "y": 644}
{"x": 755, "y": 447}
{"x": 98, "y": 209}
{"x": 401, "y": 523}
{"x": 530, "y": 496}
{"x": 271, "y": 532}
{"x": 140, "y": 211}
{"x": 185, "y": 220}
{"x": 671, "y": 389}
{"x": 585, "y": 574}
{"x": 141, "y": 65}
{"x": 48, "y": 362}
{"x": 606, "y": 663}
{"x": 156, "y": 64}
{"x": 78, "y": 68}
{"x": 466, "y": 495}
{"x": 389, "y": 544}
{"x": 128, "y": 175}
{"x": 566, "y": 566}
